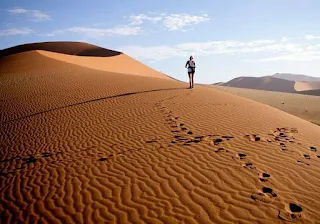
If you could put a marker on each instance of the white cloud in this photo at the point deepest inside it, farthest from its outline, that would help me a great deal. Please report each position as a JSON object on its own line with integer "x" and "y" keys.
{"x": 312, "y": 37}
{"x": 99, "y": 32}
{"x": 139, "y": 19}
{"x": 35, "y": 15}
{"x": 178, "y": 21}
{"x": 16, "y": 31}
{"x": 172, "y": 22}
{"x": 277, "y": 50}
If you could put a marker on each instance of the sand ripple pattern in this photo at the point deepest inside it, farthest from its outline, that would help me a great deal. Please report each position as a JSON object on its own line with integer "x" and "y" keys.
{"x": 168, "y": 156}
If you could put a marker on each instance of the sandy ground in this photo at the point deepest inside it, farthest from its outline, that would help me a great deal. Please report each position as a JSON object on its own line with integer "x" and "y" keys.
{"x": 80, "y": 145}
{"x": 304, "y": 106}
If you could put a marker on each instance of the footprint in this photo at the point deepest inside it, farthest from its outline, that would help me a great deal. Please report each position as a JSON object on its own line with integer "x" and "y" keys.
{"x": 295, "y": 208}
{"x": 288, "y": 216}
{"x": 249, "y": 165}
{"x": 242, "y": 155}
{"x": 261, "y": 195}
{"x": 219, "y": 150}
{"x": 103, "y": 159}
{"x": 184, "y": 129}
{"x": 253, "y": 138}
{"x": 293, "y": 213}
{"x": 217, "y": 141}
{"x": 264, "y": 176}
{"x": 190, "y": 133}
{"x": 306, "y": 156}
{"x": 299, "y": 161}
{"x": 313, "y": 149}
{"x": 269, "y": 192}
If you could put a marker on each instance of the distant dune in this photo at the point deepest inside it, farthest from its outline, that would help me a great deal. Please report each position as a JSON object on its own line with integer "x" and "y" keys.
{"x": 307, "y": 86}
{"x": 64, "y": 47}
{"x": 301, "y": 105}
{"x": 271, "y": 84}
{"x": 262, "y": 83}
{"x": 296, "y": 77}
{"x": 93, "y": 139}
{"x": 315, "y": 92}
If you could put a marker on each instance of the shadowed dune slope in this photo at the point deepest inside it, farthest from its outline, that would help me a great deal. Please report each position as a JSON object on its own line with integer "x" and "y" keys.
{"x": 80, "y": 145}
{"x": 262, "y": 83}
{"x": 65, "y": 47}
{"x": 315, "y": 92}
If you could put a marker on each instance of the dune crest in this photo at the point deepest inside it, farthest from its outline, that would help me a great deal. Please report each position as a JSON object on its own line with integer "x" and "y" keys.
{"x": 64, "y": 47}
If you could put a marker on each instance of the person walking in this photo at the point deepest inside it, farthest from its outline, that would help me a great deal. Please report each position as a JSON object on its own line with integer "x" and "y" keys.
{"x": 191, "y": 65}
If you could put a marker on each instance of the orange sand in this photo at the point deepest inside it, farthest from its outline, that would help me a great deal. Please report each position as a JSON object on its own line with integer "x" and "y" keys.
{"x": 80, "y": 145}
{"x": 303, "y": 106}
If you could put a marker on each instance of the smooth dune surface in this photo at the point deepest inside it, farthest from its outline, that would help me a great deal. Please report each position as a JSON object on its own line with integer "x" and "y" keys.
{"x": 80, "y": 145}
{"x": 263, "y": 83}
{"x": 296, "y": 77}
{"x": 306, "y": 86}
{"x": 301, "y": 105}
{"x": 271, "y": 83}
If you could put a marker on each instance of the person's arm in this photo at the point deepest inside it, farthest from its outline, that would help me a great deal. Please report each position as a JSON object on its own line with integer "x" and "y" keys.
{"x": 194, "y": 63}
{"x": 186, "y": 64}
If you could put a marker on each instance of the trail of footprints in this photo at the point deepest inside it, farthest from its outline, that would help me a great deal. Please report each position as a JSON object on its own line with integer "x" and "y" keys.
{"x": 284, "y": 136}
{"x": 183, "y": 136}
{"x": 24, "y": 161}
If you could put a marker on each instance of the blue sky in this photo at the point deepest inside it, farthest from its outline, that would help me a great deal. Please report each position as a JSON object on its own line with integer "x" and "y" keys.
{"x": 228, "y": 38}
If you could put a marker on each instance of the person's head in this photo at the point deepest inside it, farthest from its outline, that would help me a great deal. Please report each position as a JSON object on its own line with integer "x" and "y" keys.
{"x": 191, "y": 58}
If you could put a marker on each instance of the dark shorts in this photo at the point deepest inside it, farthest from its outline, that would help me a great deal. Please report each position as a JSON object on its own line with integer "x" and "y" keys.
{"x": 191, "y": 70}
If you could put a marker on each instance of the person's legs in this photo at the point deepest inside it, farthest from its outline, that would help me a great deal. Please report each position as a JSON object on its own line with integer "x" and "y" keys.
{"x": 192, "y": 75}
{"x": 190, "y": 80}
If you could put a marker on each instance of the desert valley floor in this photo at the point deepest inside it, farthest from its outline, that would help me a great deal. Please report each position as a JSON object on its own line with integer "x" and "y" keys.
{"x": 86, "y": 143}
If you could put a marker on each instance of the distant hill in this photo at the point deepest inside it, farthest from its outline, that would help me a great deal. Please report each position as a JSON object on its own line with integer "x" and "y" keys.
{"x": 296, "y": 77}
{"x": 262, "y": 83}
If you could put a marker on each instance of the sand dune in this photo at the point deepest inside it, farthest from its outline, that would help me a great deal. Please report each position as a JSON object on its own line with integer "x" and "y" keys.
{"x": 306, "y": 86}
{"x": 82, "y": 54}
{"x": 80, "y": 145}
{"x": 263, "y": 83}
{"x": 303, "y": 106}
{"x": 296, "y": 77}
{"x": 271, "y": 84}
{"x": 315, "y": 92}
{"x": 65, "y": 47}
